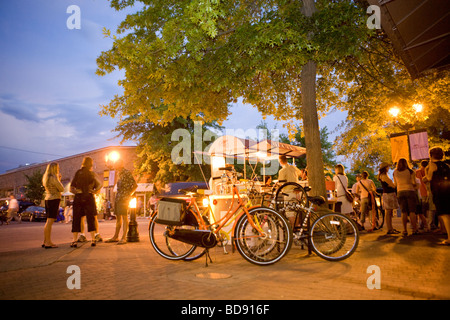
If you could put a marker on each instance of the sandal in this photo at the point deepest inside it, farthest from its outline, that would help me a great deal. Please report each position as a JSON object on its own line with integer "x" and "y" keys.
{"x": 73, "y": 244}
{"x": 444, "y": 243}
{"x": 93, "y": 243}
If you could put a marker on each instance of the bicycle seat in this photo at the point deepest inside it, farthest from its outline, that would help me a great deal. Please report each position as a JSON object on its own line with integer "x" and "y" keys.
{"x": 319, "y": 200}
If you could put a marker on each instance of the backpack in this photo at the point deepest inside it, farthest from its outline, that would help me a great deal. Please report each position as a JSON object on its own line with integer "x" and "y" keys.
{"x": 440, "y": 182}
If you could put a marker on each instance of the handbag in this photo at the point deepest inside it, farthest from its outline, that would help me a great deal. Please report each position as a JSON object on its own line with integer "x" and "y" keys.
{"x": 348, "y": 195}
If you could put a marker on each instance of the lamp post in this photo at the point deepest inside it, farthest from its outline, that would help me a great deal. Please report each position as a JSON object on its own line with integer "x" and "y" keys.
{"x": 133, "y": 233}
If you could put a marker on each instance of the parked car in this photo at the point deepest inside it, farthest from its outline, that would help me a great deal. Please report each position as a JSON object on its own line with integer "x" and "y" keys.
{"x": 34, "y": 213}
{"x": 172, "y": 189}
{"x": 25, "y": 204}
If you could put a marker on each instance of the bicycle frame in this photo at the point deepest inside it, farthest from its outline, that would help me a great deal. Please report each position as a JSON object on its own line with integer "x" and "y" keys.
{"x": 192, "y": 204}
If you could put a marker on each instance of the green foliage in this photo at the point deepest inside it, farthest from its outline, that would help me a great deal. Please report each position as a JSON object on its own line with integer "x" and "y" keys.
{"x": 200, "y": 56}
{"x": 369, "y": 86}
{"x": 155, "y": 148}
{"x": 34, "y": 188}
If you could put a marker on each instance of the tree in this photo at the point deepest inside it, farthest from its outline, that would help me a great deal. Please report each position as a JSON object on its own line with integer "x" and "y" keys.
{"x": 34, "y": 188}
{"x": 200, "y": 56}
{"x": 156, "y": 153}
{"x": 369, "y": 86}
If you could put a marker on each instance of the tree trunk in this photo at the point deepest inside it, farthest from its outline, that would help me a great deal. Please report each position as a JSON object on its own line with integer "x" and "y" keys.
{"x": 314, "y": 158}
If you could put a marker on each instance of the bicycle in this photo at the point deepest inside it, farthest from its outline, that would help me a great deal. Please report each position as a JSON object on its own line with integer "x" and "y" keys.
{"x": 331, "y": 235}
{"x": 376, "y": 215}
{"x": 261, "y": 235}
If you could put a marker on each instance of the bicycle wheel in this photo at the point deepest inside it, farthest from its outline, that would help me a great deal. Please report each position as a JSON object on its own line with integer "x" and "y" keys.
{"x": 266, "y": 248}
{"x": 166, "y": 246}
{"x": 334, "y": 237}
{"x": 288, "y": 196}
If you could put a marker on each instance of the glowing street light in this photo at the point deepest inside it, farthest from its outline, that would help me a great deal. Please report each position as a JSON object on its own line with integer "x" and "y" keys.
{"x": 418, "y": 107}
{"x": 394, "y": 111}
{"x": 112, "y": 157}
{"x": 133, "y": 233}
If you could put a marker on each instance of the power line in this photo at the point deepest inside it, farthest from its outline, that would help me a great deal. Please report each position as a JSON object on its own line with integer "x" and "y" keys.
{"x": 43, "y": 153}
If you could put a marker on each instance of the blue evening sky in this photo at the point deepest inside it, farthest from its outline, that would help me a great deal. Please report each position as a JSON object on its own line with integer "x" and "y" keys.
{"x": 50, "y": 95}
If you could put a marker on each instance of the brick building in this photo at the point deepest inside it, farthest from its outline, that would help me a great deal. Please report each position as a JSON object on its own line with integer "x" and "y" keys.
{"x": 14, "y": 180}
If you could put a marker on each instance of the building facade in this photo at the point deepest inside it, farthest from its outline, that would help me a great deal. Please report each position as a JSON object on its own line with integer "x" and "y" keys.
{"x": 14, "y": 181}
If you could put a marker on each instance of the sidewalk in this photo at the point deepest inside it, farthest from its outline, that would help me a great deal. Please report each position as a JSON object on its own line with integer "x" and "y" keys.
{"x": 410, "y": 268}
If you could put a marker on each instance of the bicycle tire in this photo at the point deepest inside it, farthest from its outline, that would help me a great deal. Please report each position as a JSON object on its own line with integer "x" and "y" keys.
{"x": 300, "y": 198}
{"x": 165, "y": 246}
{"x": 263, "y": 250}
{"x": 334, "y": 237}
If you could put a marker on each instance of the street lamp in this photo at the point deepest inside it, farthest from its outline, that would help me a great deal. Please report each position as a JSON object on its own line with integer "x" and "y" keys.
{"x": 394, "y": 111}
{"x": 409, "y": 121}
{"x": 133, "y": 233}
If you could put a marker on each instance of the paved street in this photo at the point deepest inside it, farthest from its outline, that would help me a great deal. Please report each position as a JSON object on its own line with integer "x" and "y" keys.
{"x": 409, "y": 268}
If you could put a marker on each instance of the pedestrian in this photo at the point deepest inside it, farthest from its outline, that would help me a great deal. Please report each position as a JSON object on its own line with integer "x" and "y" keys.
{"x": 390, "y": 201}
{"x": 68, "y": 212}
{"x": 126, "y": 185}
{"x": 354, "y": 192}
{"x": 51, "y": 181}
{"x": 341, "y": 181}
{"x": 439, "y": 177}
{"x": 366, "y": 189}
{"x": 423, "y": 196}
{"x": 405, "y": 182}
{"x": 13, "y": 210}
{"x": 288, "y": 173}
{"x": 84, "y": 185}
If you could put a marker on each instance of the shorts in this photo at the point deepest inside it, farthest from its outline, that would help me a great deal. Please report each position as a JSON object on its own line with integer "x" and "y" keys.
{"x": 84, "y": 205}
{"x": 52, "y": 208}
{"x": 442, "y": 203}
{"x": 408, "y": 201}
{"x": 390, "y": 201}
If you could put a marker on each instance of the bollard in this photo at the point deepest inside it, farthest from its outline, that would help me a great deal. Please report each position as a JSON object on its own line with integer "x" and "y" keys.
{"x": 133, "y": 233}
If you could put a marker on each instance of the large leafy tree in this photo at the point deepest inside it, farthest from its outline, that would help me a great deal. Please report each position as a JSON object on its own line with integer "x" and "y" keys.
{"x": 368, "y": 87}
{"x": 199, "y": 56}
{"x": 158, "y": 159}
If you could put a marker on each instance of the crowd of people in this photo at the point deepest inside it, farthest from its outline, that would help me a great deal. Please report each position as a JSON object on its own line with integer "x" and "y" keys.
{"x": 83, "y": 209}
{"x": 422, "y": 195}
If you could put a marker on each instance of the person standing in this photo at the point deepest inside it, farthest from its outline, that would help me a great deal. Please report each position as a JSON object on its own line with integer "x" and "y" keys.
{"x": 390, "y": 201}
{"x": 365, "y": 188}
{"x": 84, "y": 185}
{"x": 288, "y": 173}
{"x": 439, "y": 177}
{"x": 13, "y": 209}
{"x": 405, "y": 181}
{"x": 341, "y": 183}
{"x": 126, "y": 185}
{"x": 53, "y": 189}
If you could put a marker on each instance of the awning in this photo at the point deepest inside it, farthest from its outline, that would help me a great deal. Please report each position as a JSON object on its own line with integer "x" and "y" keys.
{"x": 419, "y": 31}
{"x": 230, "y": 146}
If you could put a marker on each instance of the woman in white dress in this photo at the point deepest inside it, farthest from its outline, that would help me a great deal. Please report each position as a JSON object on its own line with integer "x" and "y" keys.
{"x": 341, "y": 182}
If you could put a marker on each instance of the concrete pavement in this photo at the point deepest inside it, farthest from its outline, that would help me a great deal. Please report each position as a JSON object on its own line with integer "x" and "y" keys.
{"x": 412, "y": 268}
